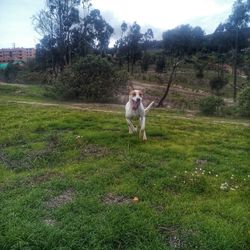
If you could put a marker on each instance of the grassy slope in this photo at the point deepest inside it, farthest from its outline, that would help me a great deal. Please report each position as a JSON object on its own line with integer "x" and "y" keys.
{"x": 87, "y": 156}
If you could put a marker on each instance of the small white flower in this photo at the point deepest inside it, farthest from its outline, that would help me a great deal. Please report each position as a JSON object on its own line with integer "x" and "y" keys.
{"x": 209, "y": 172}
{"x": 185, "y": 172}
{"x": 231, "y": 177}
{"x": 244, "y": 179}
{"x": 174, "y": 176}
{"x": 224, "y": 186}
{"x": 232, "y": 189}
{"x": 216, "y": 175}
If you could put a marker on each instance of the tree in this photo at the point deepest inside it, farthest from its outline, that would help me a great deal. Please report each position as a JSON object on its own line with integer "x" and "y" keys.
{"x": 148, "y": 36}
{"x": 179, "y": 42}
{"x": 183, "y": 40}
{"x": 129, "y": 44}
{"x": 160, "y": 63}
{"x": 67, "y": 33}
{"x": 97, "y": 30}
{"x": 238, "y": 20}
{"x": 55, "y": 23}
{"x": 170, "y": 80}
{"x": 146, "y": 58}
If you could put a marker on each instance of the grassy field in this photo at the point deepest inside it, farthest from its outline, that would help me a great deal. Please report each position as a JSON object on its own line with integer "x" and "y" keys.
{"x": 75, "y": 179}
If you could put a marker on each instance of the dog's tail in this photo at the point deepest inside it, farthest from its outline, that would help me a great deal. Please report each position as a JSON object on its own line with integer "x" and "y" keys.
{"x": 149, "y": 107}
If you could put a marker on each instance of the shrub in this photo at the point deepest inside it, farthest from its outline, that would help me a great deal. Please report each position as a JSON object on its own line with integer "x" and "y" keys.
{"x": 244, "y": 101}
{"x": 10, "y": 72}
{"x": 160, "y": 64}
{"x": 231, "y": 110}
{"x": 217, "y": 83}
{"x": 145, "y": 62}
{"x": 211, "y": 105}
{"x": 90, "y": 78}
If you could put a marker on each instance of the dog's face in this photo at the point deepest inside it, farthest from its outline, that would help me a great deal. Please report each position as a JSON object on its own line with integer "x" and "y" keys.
{"x": 135, "y": 97}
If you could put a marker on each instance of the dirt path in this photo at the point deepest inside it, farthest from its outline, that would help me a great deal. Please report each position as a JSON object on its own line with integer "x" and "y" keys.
{"x": 118, "y": 109}
{"x": 174, "y": 88}
{"x": 14, "y": 84}
{"x": 93, "y": 107}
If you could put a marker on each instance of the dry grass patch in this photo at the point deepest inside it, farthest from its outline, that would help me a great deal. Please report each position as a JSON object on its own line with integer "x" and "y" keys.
{"x": 94, "y": 150}
{"x": 62, "y": 199}
{"x": 110, "y": 199}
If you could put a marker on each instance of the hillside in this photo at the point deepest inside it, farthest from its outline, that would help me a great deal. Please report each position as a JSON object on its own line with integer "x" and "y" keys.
{"x": 72, "y": 177}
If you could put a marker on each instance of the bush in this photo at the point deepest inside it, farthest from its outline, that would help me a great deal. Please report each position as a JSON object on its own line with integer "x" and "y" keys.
{"x": 211, "y": 105}
{"x": 160, "y": 64}
{"x": 11, "y": 72}
{"x": 244, "y": 102}
{"x": 145, "y": 62}
{"x": 90, "y": 78}
{"x": 217, "y": 83}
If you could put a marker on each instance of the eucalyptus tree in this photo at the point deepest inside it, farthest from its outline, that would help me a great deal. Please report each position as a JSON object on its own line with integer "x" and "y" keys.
{"x": 238, "y": 20}
{"x": 129, "y": 45}
{"x": 55, "y": 22}
{"x": 69, "y": 32}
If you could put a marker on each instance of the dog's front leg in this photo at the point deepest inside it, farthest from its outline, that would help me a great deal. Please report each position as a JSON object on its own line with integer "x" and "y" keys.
{"x": 131, "y": 128}
{"x": 142, "y": 130}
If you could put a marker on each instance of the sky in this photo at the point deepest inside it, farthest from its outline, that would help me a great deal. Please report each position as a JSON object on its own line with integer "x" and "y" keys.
{"x": 160, "y": 15}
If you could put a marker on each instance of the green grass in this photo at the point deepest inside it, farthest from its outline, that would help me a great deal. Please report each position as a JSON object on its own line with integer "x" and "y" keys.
{"x": 68, "y": 177}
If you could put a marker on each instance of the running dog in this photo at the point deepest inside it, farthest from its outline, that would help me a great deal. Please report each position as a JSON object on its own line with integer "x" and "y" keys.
{"x": 135, "y": 108}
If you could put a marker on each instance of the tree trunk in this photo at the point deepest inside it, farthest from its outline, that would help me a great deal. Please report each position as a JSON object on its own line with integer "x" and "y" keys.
{"x": 128, "y": 61}
{"x": 235, "y": 64}
{"x": 170, "y": 80}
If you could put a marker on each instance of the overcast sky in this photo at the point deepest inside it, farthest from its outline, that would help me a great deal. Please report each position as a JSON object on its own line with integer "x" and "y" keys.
{"x": 160, "y": 15}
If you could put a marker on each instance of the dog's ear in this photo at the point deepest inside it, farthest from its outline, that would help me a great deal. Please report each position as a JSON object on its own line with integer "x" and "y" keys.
{"x": 143, "y": 91}
{"x": 130, "y": 88}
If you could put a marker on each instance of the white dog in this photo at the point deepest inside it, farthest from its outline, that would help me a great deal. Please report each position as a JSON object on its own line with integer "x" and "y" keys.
{"x": 135, "y": 108}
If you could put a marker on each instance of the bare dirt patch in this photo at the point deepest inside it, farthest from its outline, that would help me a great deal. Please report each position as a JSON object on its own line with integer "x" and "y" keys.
{"x": 172, "y": 235}
{"x": 62, "y": 199}
{"x": 44, "y": 177}
{"x": 49, "y": 222}
{"x": 94, "y": 150}
{"x": 110, "y": 199}
{"x": 176, "y": 237}
{"x": 201, "y": 162}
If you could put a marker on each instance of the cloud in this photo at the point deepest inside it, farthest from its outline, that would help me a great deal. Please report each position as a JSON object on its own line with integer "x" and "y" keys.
{"x": 161, "y": 15}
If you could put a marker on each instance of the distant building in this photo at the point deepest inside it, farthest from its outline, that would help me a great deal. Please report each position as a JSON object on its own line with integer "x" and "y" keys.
{"x": 16, "y": 54}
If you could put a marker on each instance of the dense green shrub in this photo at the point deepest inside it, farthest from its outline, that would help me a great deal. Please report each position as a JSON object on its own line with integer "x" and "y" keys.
{"x": 11, "y": 72}
{"x": 145, "y": 62}
{"x": 90, "y": 78}
{"x": 244, "y": 101}
{"x": 160, "y": 64}
{"x": 217, "y": 83}
{"x": 211, "y": 105}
